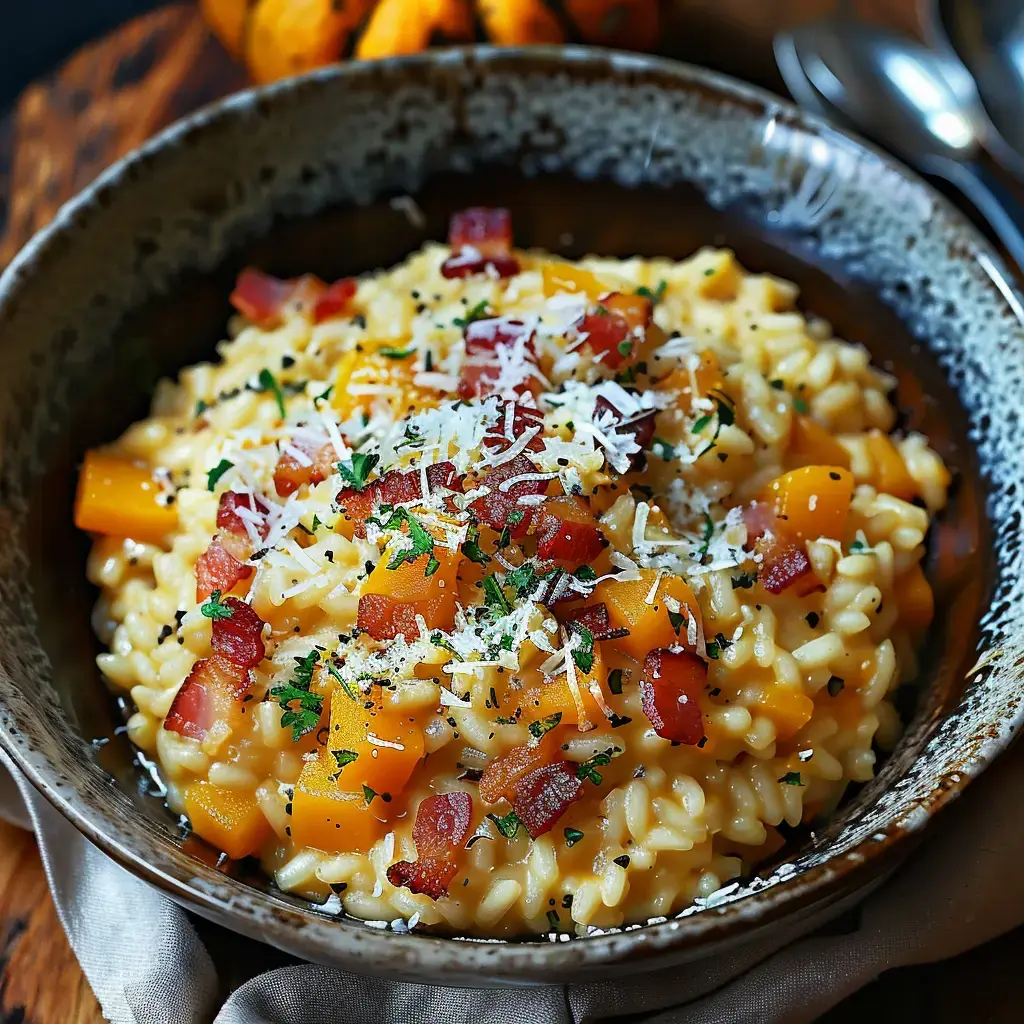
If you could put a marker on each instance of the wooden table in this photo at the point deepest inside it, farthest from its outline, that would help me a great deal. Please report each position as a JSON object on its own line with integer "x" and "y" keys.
{"x": 108, "y": 99}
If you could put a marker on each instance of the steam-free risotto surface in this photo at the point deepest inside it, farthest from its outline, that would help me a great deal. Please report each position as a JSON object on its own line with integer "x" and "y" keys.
{"x": 499, "y": 594}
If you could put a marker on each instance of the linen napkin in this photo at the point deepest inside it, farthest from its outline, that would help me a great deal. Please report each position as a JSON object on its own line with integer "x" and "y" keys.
{"x": 146, "y": 963}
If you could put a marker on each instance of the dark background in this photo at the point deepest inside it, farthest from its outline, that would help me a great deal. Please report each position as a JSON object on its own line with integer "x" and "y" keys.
{"x": 36, "y": 34}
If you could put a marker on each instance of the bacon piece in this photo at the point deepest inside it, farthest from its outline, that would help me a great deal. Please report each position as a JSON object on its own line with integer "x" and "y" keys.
{"x": 218, "y": 569}
{"x": 495, "y": 507}
{"x": 335, "y": 299}
{"x": 230, "y": 521}
{"x": 481, "y": 370}
{"x": 593, "y": 617}
{"x": 290, "y": 473}
{"x": 441, "y": 827}
{"x": 670, "y": 687}
{"x": 502, "y": 774}
{"x": 567, "y": 533}
{"x": 261, "y": 298}
{"x": 240, "y": 636}
{"x": 640, "y": 426}
{"x": 759, "y": 518}
{"x": 207, "y": 696}
{"x": 784, "y": 560}
{"x": 481, "y": 242}
{"x": 524, "y": 418}
{"x": 542, "y": 796}
{"x": 616, "y": 326}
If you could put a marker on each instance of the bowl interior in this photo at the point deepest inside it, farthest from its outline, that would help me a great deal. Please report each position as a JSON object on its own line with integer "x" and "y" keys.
{"x": 889, "y": 264}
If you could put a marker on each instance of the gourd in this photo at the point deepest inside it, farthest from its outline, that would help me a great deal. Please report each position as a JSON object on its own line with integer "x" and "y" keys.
{"x": 278, "y": 38}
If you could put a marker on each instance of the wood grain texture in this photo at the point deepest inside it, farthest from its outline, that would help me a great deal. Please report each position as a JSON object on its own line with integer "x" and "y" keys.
{"x": 109, "y": 98}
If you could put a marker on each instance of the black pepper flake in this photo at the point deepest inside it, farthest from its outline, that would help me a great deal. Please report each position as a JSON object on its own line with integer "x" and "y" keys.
{"x": 368, "y": 566}
{"x": 360, "y": 321}
{"x": 702, "y": 741}
{"x": 567, "y": 901}
{"x": 622, "y": 861}
{"x": 834, "y": 476}
{"x": 287, "y": 830}
{"x": 715, "y": 692}
{"x": 329, "y": 555}
{"x": 338, "y": 887}
{"x": 288, "y": 807}
{"x": 178, "y": 616}
{"x": 287, "y": 362}
{"x": 835, "y": 686}
{"x": 812, "y": 619}
{"x": 165, "y": 632}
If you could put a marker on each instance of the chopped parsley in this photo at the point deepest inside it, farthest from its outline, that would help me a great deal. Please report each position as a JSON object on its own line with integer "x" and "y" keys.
{"x": 662, "y": 448}
{"x": 625, "y": 347}
{"x": 583, "y": 655}
{"x": 344, "y": 757}
{"x": 572, "y": 837}
{"x": 744, "y": 581}
{"x": 333, "y": 669}
{"x": 585, "y": 574}
{"x": 396, "y": 353}
{"x": 268, "y": 382}
{"x": 216, "y": 473}
{"x": 422, "y": 542}
{"x": 709, "y": 530}
{"x": 792, "y": 779}
{"x": 369, "y": 794}
{"x": 214, "y": 608}
{"x": 523, "y": 579}
{"x": 471, "y": 547}
{"x": 835, "y": 686}
{"x": 356, "y": 471}
{"x": 655, "y": 296}
{"x": 478, "y": 312}
{"x": 539, "y": 728}
{"x": 505, "y": 537}
{"x": 553, "y": 920}
{"x": 588, "y": 769}
{"x": 494, "y": 597}
{"x": 440, "y": 640}
{"x": 700, "y": 424}
{"x": 800, "y": 406}
{"x": 306, "y": 717}
{"x": 507, "y": 826}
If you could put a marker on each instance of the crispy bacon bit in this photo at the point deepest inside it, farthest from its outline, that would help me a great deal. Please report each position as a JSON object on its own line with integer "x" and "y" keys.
{"x": 594, "y": 617}
{"x": 502, "y": 774}
{"x": 784, "y": 560}
{"x": 670, "y": 689}
{"x": 262, "y": 298}
{"x": 230, "y": 521}
{"x": 640, "y": 426}
{"x": 218, "y": 569}
{"x": 206, "y": 696}
{"x": 240, "y": 635}
{"x": 335, "y": 299}
{"x": 524, "y": 418}
{"x": 481, "y": 242}
{"x": 441, "y": 827}
{"x": 482, "y": 368}
{"x": 494, "y": 508}
{"x": 541, "y": 797}
{"x": 616, "y": 326}
{"x": 291, "y": 473}
{"x": 567, "y": 533}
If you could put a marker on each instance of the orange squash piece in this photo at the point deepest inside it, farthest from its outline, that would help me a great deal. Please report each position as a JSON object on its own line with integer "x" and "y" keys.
{"x": 227, "y": 19}
{"x": 810, "y": 444}
{"x": 398, "y": 26}
{"x": 328, "y": 819}
{"x": 564, "y": 277}
{"x": 357, "y": 371}
{"x": 388, "y": 745}
{"x": 227, "y": 819}
{"x": 392, "y": 598}
{"x": 555, "y": 696}
{"x": 890, "y": 472}
{"x": 915, "y": 599}
{"x": 812, "y": 501}
{"x": 118, "y": 498}
{"x": 788, "y": 707}
{"x": 519, "y": 22}
{"x": 696, "y": 383}
{"x": 648, "y": 623}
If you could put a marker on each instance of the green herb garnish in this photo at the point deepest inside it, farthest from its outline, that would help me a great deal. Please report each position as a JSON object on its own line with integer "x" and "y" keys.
{"x": 440, "y": 640}
{"x": 507, "y": 826}
{"x": 422, "y": 542}
{"x": 333, "y": 669}
{"x": 709, "y": 530}
{"x": 344, "y": 757}
{"x": 494, "y": 597}
{"x": 356, "y": 471}
{"x": 215, "y": 609}
{"x": 216, "y": 473}
{"x": 792, "y": 779}
{"x": 572, "y": 837}
{"x": 662, "y": 448}
{"x": 471, "y": 547}
{"x": 585, "y": 573}
{"x": 396, "y": 353}
{"x": 478, "y": 312}
{"x": 657, "y": 295}
{"x": 588, "y": 769}
{"x": 583, "y": 655}
{"x": 307, "y": 716}
{"x": 625, "y": 347}
{"x": 369, "y": 794}
{"x": 537, "y": 729}
{"x": 268, "y": 382}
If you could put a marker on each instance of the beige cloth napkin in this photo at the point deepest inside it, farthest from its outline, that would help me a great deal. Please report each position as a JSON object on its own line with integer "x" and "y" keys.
{"x": 147, "y": 965}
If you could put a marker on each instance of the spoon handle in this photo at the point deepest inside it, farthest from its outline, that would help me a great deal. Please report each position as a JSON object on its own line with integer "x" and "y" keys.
{"x": 993, "y": 200}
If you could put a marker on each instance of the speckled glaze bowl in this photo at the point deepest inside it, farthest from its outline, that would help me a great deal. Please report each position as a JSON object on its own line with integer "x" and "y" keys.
{"x": 594, "y": 152}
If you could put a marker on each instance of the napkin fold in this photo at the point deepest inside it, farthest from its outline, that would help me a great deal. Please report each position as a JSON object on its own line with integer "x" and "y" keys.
{"x": 147, "y": 965}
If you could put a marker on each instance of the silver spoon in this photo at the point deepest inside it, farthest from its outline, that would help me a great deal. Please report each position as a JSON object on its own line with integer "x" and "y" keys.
{"x": 919, "y": 103}
{"x": 988, "y": 36}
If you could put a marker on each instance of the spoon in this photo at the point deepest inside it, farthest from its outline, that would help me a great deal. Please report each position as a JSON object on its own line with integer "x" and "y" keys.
{"x": 988, "y": 37}
{"x": 919, "y": 103}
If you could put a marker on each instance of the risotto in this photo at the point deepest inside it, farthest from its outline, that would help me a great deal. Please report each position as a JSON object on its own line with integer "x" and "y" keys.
{"x": 498, "y": 594}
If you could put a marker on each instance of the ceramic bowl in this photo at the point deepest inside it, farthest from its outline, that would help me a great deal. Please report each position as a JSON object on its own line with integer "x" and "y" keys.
{"x": 594, "y": 152}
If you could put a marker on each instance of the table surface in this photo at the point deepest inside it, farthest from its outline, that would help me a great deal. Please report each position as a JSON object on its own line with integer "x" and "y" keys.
{"x": 108, "y": 99}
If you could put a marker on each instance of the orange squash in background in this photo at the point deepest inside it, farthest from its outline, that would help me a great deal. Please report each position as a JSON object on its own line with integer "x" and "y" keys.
{"x": 277, "y": 38}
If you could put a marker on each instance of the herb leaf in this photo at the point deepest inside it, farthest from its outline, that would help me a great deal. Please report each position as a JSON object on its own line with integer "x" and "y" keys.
{"x": 478, "y": 312}
{"x": 792, "y": 779}
{"x": 269, "y": 383}
{"x": 471, "y": 547}
{"x": 583, "y": 655}
{"x": 538, "y": 728}
{"x": 306, "y": 717}
{"x": 344, "y": 757}
{"x": 422, "y": 542}
{"x": 507, "y": 826}
{"x": 662, "y": 448}
{"x": 655, "y": 296}
{"x": 709, "y": 530}
{"x": 357, "y": 470}
{"x": 440, "y": 640}
{"x": 396, "y": 353}
{"x": 216, "y": 473}
{"x": 494, "y": 597}
{"x": 588, "y": 769}
{"x": 214, "y": 609}
{"x": 572, "y": 836}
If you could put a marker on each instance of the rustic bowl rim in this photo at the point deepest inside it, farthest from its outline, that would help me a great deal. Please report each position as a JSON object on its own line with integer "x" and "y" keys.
{"x": 264, "y": 915}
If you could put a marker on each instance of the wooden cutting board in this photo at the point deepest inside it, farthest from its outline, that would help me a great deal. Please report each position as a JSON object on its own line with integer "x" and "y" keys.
{"x": 107, "y": 100}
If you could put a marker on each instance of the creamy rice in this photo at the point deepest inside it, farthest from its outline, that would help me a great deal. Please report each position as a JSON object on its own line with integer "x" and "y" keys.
{"x": 798, "y": 688}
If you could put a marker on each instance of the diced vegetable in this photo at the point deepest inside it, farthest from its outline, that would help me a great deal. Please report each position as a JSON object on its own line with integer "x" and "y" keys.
{"x": 890, "y": 471}
{"x": 915, "y": 599}
{"x": 239, "y": 635}
{"x": 692, "y": 384}
{"x": 788, "y": 707}
{"x": 217, "y": 569}
{"x": 543, "y": 795}
{"x": 670, "y": 688}
{"x": 441, "y": 827}
{"x": 650, "y": 623}
{"x": 227, "y": 819}
{"x": 326, "y": 818}
{"x": 387, "y": 744}
{"x": 812, "y": 501}
{"x": 481, "y": 242}
{"x": 118, "y": 498}
{"x": 210, "y": 694}
{"x": 362, "y": 378}
{"x": 565, "y": 277}
{"x": 291, "y": 472}
{"x": 567, "y": 533}
{"x": 502, "y": 774}
{"x": 585, "y": 707}
{"x": 392, "y": 598}
{"x": 811, "y": 444}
